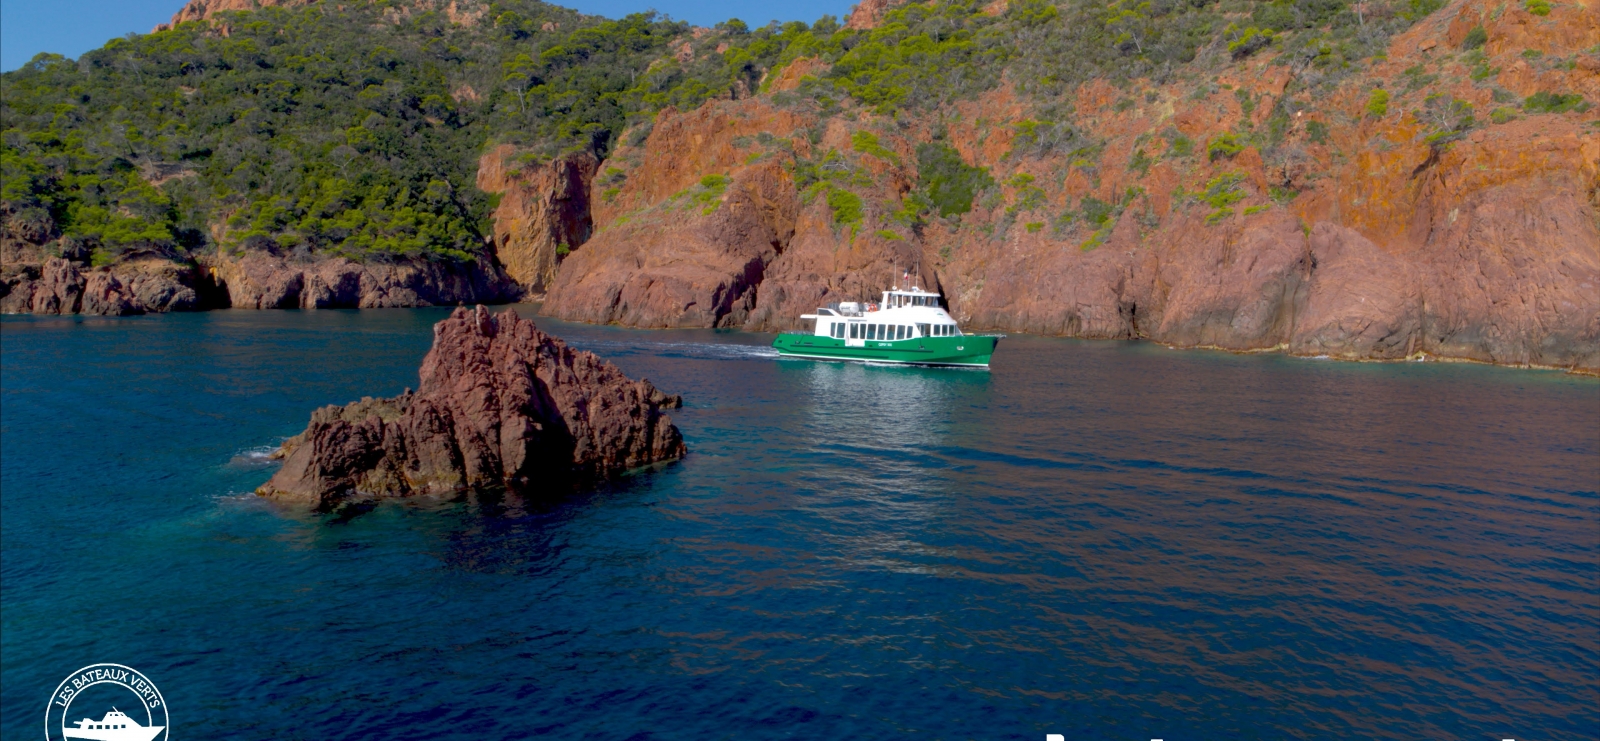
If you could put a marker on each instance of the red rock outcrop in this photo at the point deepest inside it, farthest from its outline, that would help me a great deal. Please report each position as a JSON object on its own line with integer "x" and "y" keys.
{"x": 683, "y": 263}
{"x": 262, "y": 281}
{"x": 199, "y": 10}
{"x": 139, "y": 286}
{"x": 868, "y": 13}
{"x": 543, "y": 212}
{"x": 500, "y": 406}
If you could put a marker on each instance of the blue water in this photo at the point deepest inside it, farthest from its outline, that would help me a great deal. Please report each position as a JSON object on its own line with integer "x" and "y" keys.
{"x": 1098, "y": 539}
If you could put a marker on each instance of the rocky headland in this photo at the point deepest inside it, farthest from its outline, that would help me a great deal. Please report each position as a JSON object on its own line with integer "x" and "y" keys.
{"x": 501, "y": 406}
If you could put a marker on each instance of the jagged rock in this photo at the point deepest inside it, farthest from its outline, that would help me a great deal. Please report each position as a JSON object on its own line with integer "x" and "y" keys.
{"x": 104, "y": 295}
{"x": 60, "y": 286}
{"x": 501, "y": 405}
{"x": 262, "y": 281}
{"x": 544, "y": 210}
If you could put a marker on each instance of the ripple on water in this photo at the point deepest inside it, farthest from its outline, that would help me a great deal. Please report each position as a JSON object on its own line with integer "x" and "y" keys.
{"x": 1095, "y": 539}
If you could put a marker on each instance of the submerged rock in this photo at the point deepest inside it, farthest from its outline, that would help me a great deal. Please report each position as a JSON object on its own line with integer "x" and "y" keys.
{"x": 501, "y": 405}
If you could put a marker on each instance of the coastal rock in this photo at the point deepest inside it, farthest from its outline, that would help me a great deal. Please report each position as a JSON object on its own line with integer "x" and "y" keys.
{"x": 262, "y": 281}
{"x": 500, "y": 405}
{"x": 543, "y": 211}
{"x": 134, "y": 286}
{"x": 680, "y": 266}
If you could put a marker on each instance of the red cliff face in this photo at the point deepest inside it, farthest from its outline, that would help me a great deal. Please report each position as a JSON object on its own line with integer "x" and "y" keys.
{"x": 501, "y": 406}
{"x": 544, "y": 211}
{"x": 1353, "y": 238}
{"x": 262, "y": 281}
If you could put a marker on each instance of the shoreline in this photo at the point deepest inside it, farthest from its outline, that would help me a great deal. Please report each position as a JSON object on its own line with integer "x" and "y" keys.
{"x": 537, "y": 306}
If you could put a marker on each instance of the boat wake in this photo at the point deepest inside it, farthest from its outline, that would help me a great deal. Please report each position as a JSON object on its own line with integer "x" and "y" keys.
{"x": 696, "y": 350}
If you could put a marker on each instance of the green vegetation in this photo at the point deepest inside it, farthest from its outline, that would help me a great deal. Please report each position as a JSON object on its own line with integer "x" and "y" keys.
{"x": 1224, "y": 146}
{"x": 1317, "y": 132}
{"x": 1502, "y": 115}
{"x": 1028, "y": 196}
{"x": 1140, "y": 162}
{"x": 1181, "y": 146}
{"x": 1378, "y": 103}
{"x": 1475, "y": 38}
{"x": 1450, "y": 118}
{"x": 846, "y": 207}
{"x": 946, "y": 181}
{"x": 1096, "y": 212}
{"x": 354, "y": 128}
{"x": 1042, "y": 138}
{"x": 867, "y": 142}
{"x": 1221, "y": 193}
{"x": 921, "y": 55}
{"x": 709, "y": 195}
{"x": 1537, "y": 7}
{"x": 1242, "y": 42}
{"x": 889, "y": 235}
{"x": 1548, "y": 102}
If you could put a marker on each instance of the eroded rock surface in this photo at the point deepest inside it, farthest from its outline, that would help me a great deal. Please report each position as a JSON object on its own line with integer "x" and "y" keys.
{"x": 60, "y": 286}
{"x": 262, "y": 281}
{"x": 500, "y": 406}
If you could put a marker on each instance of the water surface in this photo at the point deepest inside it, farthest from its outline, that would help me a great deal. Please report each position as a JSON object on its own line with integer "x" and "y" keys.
{"x": 1099, "y": 539}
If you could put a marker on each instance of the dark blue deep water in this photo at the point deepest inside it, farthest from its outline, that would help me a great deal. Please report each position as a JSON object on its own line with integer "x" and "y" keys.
{"x": 1103, "y": 540}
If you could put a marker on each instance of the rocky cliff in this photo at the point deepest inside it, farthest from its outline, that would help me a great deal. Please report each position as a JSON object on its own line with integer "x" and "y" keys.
{"x": 543, "y": 212}
{"x": 264, "y": 281}
{"x": 138, "y": 286}
{"x": 1364, "y": 232}
{"x": 142, "y": 284}
{"x": 500, "y": 406}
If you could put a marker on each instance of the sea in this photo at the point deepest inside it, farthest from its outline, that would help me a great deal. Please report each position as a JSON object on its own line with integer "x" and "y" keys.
{"x": 1097, "y": 539}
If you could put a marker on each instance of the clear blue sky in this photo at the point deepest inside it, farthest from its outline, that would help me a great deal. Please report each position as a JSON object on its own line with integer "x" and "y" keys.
{"x": 72, "y": 27}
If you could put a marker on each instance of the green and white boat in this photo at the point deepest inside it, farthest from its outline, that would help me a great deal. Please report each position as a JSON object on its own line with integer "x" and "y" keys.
{"x": 909, "y": 327}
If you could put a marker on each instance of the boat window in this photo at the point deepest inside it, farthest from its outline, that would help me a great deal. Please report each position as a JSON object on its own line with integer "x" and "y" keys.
{"x": 904, "y": 332}
{"x": 855, "y": 331}
{"x": 900, "y": 332}
{"x": 872, "y": 331}
{"x": 838, "y": 330}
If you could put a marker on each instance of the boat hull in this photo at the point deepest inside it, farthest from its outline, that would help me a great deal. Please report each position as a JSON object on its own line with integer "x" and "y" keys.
{"x": 963, "y": 350}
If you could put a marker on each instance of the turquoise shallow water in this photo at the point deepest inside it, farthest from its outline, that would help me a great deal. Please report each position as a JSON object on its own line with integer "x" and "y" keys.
{"x": 1104, "y": 540}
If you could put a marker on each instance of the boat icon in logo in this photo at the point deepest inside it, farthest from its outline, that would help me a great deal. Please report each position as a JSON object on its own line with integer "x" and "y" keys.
{"x": 115, "y": 726}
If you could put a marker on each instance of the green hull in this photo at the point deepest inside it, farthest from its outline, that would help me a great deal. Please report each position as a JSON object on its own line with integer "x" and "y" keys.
{"x": 966, "y": 350}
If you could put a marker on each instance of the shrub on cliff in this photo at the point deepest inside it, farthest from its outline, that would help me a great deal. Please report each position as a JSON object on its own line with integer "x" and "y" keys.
{"x": 1378, "y": 103}
{"x": 1224, "y": 146}
{"x": 1548, "y": 102}
{"x": 947, "y": 181}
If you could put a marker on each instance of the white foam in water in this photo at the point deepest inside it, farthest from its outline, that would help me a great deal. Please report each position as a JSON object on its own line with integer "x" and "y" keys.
{"x": 257, "y": 457}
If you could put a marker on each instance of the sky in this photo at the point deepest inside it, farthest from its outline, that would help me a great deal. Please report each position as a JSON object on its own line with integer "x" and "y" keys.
{"x": 72, "y": 27}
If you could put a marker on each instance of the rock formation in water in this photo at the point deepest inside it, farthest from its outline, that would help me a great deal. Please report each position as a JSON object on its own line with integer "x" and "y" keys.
{"x": 501, "y": 406}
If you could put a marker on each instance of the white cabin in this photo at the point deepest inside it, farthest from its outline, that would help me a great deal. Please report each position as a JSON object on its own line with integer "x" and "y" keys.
{"x": 903, "y": 315}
